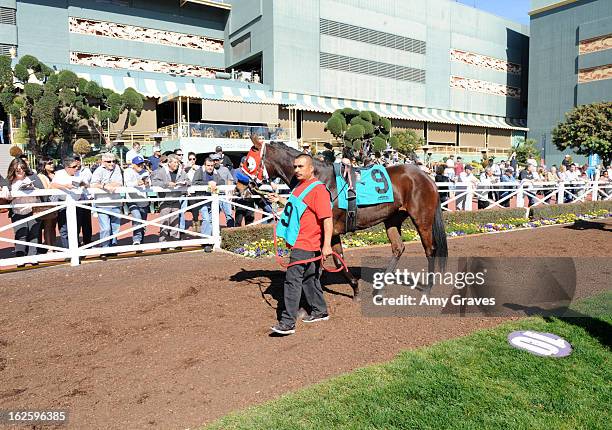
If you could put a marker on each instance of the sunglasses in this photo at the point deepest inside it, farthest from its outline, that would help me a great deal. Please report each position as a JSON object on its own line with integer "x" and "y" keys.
{"x": 192, "y": 159}
{"x": 110, "y": 161}
{"x": 73, "y": 167}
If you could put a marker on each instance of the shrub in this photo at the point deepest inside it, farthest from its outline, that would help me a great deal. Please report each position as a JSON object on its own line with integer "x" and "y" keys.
{"x": 233, "y": 238}
{"x": 15, "y": 151}
{"x": 542, "y": 212}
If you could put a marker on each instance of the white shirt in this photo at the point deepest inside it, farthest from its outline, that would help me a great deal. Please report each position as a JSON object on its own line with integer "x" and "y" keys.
{"x": 62, "y": 177}
{"x": 131, "y": 178}
{"x": 25, "y": 210}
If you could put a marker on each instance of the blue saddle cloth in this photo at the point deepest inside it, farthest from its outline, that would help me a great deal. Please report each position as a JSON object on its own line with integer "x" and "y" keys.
{"x": 372, "y": 185}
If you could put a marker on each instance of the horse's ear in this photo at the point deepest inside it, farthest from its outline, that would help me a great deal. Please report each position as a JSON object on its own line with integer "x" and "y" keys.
{"x": 257, "y": 141}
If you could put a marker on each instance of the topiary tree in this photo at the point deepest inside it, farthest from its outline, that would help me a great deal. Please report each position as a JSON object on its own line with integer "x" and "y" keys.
{"x": 15, "y": 151}
{"x": 358, "y": 131}
{"x": 56, "y": 104}
{"x": 524, "y": 150}
{"x": 587, "y": 130}
{"x": 407, "y": 143}
{"x": 81, "y": 147}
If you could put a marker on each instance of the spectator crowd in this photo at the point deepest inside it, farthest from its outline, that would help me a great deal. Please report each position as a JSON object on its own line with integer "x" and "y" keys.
{"x": 175, "y": 171}
{"x": 172, "y": 170}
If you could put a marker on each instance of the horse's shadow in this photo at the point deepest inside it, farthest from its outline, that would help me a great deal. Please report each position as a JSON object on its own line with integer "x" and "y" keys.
{"x": 270, "y": 284}
{"x": 589, "y": 225}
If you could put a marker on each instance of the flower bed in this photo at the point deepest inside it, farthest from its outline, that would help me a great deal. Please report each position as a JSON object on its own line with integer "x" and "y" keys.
{"x": 265, "y": 247}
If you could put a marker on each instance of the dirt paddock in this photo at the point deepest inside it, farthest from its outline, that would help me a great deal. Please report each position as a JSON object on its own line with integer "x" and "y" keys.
{"x": 175, "y": 341}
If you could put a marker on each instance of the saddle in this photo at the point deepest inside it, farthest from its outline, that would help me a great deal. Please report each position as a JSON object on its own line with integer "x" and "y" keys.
{"x": 349, "y": 174}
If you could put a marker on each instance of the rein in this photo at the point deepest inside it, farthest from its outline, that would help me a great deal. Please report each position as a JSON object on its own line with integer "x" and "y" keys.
{"x": 284, "y": 265}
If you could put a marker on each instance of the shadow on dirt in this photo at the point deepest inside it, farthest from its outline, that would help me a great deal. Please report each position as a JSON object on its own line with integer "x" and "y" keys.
{"x": 270, "y": 284}
{"x": 589, "y": 225}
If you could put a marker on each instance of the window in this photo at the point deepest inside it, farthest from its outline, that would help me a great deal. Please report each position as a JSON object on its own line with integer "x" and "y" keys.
{"x": 7, "y": 16}
{"x": 374, "y": 68}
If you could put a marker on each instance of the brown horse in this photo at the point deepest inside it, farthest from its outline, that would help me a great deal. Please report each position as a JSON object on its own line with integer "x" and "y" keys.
{"x": 415, "y": 195}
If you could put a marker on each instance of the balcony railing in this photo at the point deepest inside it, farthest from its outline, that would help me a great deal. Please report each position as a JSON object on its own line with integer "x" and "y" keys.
{"x": 223, "y": 131}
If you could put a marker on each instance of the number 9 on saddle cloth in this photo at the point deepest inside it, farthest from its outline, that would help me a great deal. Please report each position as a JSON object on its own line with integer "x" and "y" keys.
{"x": 361, "y": 187}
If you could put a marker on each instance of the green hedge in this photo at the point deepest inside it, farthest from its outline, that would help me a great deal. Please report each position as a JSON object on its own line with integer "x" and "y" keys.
{"x": 472, "y": 217}
{"x": 233, "y": 238}
{"x": 541, "y": 212}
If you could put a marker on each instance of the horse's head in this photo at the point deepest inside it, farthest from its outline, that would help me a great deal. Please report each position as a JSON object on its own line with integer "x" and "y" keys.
{"x": 252, "y": 171}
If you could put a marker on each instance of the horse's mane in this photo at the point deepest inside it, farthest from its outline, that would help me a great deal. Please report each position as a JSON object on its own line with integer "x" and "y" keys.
{"x": 319, "y": 165}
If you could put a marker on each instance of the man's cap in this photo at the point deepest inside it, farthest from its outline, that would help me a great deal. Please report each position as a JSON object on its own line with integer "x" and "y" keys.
{"x": 156, "y": 149}
{"x": 469, "y": 167}
{"x": 138, "y": 160}
{"x": 215, "y": 157}
{"x": 509, "y": 169}
{"x": 218, "y": 149}
{"x": 567, "y": 155}
{"x": 328, "y": 146}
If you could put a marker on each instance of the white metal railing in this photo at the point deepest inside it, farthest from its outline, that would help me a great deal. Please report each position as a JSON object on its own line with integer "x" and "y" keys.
{"x": 71, "y": 200}
{"x": 494, "y": 196}
{"x": 461, "y": 196}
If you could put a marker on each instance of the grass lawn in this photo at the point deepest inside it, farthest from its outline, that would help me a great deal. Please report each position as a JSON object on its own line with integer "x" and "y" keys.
{"x": 473, "y": 382}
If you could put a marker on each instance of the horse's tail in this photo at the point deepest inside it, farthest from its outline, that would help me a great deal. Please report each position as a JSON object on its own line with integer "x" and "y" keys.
{"x": 439, "y": 239}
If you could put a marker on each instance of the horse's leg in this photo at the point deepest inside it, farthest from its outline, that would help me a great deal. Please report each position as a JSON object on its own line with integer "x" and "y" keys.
{"x": 424, "y": 226}
{"x": 353, "y": 281}
{"x": 394, "y": 233}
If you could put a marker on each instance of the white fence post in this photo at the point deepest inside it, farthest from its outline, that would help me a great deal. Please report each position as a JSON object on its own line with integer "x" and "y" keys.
{"x": 520, "y": 197}
{"x": 561, "y": 193}
{"x": 73, "y": 232}
{"x": 595, "y": 195}
{"x": 469, "y": 197}
{"x": 214, "y": 212}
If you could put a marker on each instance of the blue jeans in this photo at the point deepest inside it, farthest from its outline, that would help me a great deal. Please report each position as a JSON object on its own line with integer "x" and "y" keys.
{"x": 205, "y": 213}
{"x": 182, "y": 214}
{"x": 140, "y": 213}
{"x": 109, "y": 225}
{"x": 226, "y": 207}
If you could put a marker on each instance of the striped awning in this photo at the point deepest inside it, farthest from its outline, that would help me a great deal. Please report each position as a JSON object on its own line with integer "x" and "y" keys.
{"x": 329, "y": 104}
{"x": 167, "y": 90}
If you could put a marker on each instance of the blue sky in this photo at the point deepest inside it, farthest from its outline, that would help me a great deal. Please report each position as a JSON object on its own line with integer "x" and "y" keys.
{"x": 515, "y": 10}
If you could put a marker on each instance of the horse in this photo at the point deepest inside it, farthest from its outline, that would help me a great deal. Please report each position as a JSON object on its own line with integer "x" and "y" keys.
{"x": 415, "y": 195}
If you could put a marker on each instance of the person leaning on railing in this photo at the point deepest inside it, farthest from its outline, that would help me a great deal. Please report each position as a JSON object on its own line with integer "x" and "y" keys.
{"x": 508, "y": 185}
{"x": 170, "y": 176}
{"x": 441, "y": 178}
{"x": 46, "y": 172}
{"x": 137, "y": 176}
{"x": 20, "y": 178}
{"x": 108, "y": 177}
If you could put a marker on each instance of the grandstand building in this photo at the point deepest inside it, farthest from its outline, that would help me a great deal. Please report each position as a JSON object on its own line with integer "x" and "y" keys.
{"x": 212, "y": 70}
{"x": 570, "y": 63}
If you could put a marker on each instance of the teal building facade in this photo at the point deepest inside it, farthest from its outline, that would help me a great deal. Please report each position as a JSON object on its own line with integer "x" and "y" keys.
{"x": 456, "y": 75}
{"x": 570, "y": 64}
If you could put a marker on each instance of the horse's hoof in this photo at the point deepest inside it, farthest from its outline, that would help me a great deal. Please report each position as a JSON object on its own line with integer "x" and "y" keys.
{"x": 356, "y": 296}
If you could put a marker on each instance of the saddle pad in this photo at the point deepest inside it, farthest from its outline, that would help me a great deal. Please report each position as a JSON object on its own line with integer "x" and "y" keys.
{"x": 372, "y": 185}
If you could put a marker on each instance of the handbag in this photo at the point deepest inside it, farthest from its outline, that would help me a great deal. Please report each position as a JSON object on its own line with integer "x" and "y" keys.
{"x": 39, "y": 209}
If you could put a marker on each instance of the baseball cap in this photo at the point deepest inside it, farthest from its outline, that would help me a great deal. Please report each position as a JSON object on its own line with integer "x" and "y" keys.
{"x": 218, "y": 149}
{"x": 156, "y": 149}
{"x": 469, "y": 167}
{"x": 138, "y": 160}
{"x": 215, "y": 157}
